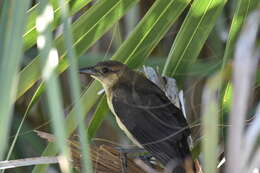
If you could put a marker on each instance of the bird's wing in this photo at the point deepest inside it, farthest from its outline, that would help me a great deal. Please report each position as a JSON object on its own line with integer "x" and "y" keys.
{"x": 152, "y": 119}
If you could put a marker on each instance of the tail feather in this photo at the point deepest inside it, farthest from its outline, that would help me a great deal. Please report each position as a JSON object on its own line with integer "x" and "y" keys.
{"x": 184, "y": 149}
{"x": 173, "y": 155}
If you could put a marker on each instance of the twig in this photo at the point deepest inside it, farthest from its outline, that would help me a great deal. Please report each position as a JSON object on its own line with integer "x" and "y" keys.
{"x": 105, "y": 159}
{"x": 27, "y": 162}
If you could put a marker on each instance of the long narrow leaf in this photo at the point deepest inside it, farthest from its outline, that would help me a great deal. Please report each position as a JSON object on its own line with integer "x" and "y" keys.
{"x": 150, "y": 31}
{"x": 241, "y": 13}
{"x": 4, "y": 22}
{"x": 87, "y": 100}
{"x": 98, "y": 117}
{"x": 194, "y": 31}
{"x": 86, "y": 31}
{"x": 210, "y": 123}
{"x": 75, "y": 89}
{"x": 33, "y": 100}
{"x": 243, "y": 81}
{"x": 11, "y": 53}
{"x": 31, "y": 33}
{"x": 49, "y": 60}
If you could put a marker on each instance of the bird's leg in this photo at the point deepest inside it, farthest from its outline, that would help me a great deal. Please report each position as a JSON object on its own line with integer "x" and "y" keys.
{"x": 147, "y": 157}
{"x": 125, "y": 152}
{"x": 123, "y": 156}
{"x": 134, "y": 152}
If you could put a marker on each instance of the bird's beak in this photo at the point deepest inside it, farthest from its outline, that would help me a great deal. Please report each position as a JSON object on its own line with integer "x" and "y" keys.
{"x": 88, "y": 70}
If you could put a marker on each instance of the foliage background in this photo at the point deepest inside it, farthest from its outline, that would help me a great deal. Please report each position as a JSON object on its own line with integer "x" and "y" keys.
{"x": 193, "y": 41}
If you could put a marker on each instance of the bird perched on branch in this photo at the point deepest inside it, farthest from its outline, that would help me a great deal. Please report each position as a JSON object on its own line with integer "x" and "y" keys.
{"x": 144, "y": 113}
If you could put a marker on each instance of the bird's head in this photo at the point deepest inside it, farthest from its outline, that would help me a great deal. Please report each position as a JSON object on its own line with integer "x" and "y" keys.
{"x": 107, "y": 72}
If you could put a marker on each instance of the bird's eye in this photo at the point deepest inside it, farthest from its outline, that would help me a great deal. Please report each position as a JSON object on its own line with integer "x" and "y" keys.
{"x": 104, "y": 70}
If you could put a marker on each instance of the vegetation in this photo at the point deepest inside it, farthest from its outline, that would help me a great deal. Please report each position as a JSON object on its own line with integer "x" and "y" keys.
{"x": 210, "y": 47}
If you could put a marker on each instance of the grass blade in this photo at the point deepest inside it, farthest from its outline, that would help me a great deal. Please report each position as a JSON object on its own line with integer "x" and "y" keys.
{"x": 210, "y": 123}
{"x": 30, "y": 34}
{"x": 98, "y": 117}
{"x": 86, "y": 31}
{"x": 33, "y": 100}
{"x": 243, "y": 81}
{"x": 10, "y": 60}
{"x": 241, "y": 13}
{"x": 49, "y": 60}
{"x": 150, "y": 31}
{"x": 75, "y": 90}
{"x": 87, "y": 100}
{"x": 194, "y": 31}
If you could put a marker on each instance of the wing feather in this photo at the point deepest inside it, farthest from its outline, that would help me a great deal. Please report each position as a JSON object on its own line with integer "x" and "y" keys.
{"x": 152, "y": 119}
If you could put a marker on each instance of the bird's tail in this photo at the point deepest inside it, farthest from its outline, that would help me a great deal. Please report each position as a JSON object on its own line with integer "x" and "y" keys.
{"x": 180, "y": 152}
{"x": 183, "y": 154}
{"x": 184, "y": 149}
{"x": 172, "y": 154}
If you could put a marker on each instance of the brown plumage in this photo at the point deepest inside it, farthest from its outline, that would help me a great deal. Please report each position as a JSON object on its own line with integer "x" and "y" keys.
{"x": 143, "y": 112}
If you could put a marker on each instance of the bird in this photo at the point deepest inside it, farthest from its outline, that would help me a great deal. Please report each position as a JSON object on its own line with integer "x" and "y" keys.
{"x": 143, "y": 112}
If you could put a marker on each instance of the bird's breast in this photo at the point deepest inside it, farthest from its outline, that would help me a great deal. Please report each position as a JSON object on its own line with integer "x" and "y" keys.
{"x": 120, "y": 123}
